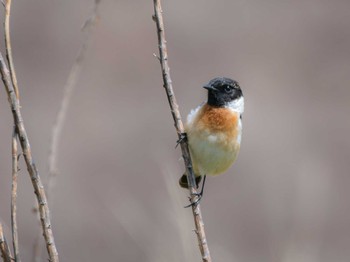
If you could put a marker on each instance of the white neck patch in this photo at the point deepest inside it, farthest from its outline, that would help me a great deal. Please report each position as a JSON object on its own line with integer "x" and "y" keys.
{"x": 236, "y": 105}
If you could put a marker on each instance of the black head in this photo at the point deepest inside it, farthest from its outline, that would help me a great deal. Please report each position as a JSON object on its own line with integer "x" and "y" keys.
{"x": 222, "y": 90}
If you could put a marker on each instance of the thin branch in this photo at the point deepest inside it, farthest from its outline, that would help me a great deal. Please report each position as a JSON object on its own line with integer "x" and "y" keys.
{"x": 14, "y": 196}
{"x": 14, "y": 135}
{"x": 4, "y": 248}
{"x": 163, "y": 58}
{"x": 8, "y": 46}
{"x": 62, "y": 112}
{"x": 67, "y": 93}
{"x": 32, "y": 170}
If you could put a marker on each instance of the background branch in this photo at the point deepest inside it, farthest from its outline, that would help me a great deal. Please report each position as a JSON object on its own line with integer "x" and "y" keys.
{"x": 8, "y": 46}
{"x": 67, "y": 93}
{"x": 32, "y": 170}
{"x": 4, "y": 249}
{"x": 62, "y": 112}
{"x": 163, "y": 58}
{"x": 14, "y": 196}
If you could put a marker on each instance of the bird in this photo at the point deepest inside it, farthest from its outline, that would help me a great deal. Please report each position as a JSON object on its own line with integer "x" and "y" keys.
{"x": 214, "y": 130}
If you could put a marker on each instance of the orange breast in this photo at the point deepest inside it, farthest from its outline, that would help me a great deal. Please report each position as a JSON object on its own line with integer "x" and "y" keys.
{"x": 218, "y": 120}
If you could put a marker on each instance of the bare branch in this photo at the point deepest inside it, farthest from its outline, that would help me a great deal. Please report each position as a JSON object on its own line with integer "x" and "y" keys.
{"x": 4, "y": 248}
{"x": 67, "y": 93}
{"x": 62, "y": 112}
{"x": 8, "y": 46}
{"x": 14, "y": 196}
{"x": 163, "y": 58}
{"x": 32, "y": 170}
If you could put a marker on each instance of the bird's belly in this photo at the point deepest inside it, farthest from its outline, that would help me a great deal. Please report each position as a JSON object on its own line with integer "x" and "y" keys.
{"x": 214, "y": 153}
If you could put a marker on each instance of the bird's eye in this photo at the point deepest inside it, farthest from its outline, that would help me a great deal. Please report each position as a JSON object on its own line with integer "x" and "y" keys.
{"x": 227, "y": 89}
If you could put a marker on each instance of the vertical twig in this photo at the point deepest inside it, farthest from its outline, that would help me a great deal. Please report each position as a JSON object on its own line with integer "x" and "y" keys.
{"x": 8, "y": 46}
{"x": 32, "y": 170}
{"x": 67, "y": 92}
{"x": 4, "y": 248}
{"x": 10, "y": 82}
{"x": 163, "y": 58}
{"x": 14, "y": 196}
{"x": 62, "y": 112}
{"x": 9, "y": 58}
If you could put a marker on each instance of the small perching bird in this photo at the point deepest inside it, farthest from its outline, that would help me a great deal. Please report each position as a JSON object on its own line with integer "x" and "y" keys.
{"x": 214, "y": 129}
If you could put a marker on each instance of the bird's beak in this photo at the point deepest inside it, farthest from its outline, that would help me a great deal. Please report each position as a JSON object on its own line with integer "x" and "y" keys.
{"x": 209, "y": 87}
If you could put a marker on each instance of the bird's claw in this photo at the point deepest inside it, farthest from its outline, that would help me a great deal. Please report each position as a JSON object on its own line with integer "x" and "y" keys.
{"x": 182, "y": 137}
{"x": 196, "y": 201}
{"x": 198, "y": 195}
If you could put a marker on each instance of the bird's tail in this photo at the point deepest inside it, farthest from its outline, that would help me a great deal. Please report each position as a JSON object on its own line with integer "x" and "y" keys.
{"x": 184, "y": 183}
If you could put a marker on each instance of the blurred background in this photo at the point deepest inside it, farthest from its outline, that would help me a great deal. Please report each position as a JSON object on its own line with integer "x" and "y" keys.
{"x": 116, "y": 197}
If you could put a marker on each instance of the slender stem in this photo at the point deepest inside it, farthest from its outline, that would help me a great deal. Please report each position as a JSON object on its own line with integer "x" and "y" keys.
{"x": 14, "y": 196}
{"x": 32, "y": 170}
{"x": 67, "y": 94}
{"x": 8, "y": 46}
{"x": 4, "y": 248}
{"x": 14, "y": 135}
{"x": 163, "y": 58}
{"x": 63, "y": 110}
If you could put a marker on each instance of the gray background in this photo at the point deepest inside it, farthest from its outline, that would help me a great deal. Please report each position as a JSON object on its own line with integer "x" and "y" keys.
{"x": 116, "y": 197}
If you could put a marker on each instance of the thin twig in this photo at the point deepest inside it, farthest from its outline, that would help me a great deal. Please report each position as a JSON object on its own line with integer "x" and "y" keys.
{"x": 163, "y": 58}
{"x": 67, "y": 93}
{"x": 14, "y": 135}
{"x": 62, "y": 113}
{"x": 8, "y": 46}
{"x": 4, "y": 248}
{"x": 14, "y": 196}
{"x": 32, "y": 170}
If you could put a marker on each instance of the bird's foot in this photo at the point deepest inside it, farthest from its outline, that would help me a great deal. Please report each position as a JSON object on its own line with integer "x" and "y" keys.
{"x": 182, "y": 137}
{"x": 196, "y": 201}
{"x": 197, "y": 195}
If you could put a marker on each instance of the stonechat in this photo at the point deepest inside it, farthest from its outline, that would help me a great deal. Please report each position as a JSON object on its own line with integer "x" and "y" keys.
{"x": 214, "y": 129}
